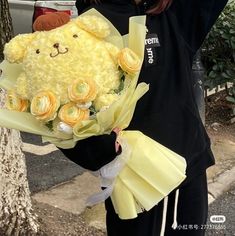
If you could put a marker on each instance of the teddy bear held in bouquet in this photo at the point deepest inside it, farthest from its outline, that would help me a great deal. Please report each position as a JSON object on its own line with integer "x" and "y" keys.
{"x": 73, "y": 62}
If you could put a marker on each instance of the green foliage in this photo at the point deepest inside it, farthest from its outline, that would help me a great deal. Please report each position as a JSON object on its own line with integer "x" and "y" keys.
{"x": 218, "y": 52}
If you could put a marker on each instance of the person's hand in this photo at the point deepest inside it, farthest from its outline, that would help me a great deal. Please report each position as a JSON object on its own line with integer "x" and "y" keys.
{"x": 117, "y": 144}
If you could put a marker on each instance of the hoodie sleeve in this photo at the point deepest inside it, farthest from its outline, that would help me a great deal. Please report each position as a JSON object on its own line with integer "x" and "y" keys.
{"x": 195, "y": 18}
{"x": 94, "y": 152}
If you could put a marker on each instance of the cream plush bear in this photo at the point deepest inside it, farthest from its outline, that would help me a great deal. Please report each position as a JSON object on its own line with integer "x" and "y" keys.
{"x": 69, "y": 69}
{"x": 53, "y": 59}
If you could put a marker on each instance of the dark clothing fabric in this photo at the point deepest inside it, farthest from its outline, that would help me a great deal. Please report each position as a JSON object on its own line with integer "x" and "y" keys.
{"x": 93, "y": 153}
{"x": 191, "y": 215}
{"x": 167, "y": 112}
{"x": 195, "y": 18}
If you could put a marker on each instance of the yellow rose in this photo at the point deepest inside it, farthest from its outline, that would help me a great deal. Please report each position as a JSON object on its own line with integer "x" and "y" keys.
{"x": 129, "y": 61}
{"x": 44, "y": 106}
{"x": 82, "y": 90}
{"x": 71, "y": 114}
{"x": 14, "y": 102}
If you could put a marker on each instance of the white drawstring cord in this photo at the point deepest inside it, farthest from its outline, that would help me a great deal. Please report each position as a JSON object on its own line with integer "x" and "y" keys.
{"x": 164, "y": 216}
{"x": 174, "y": 225}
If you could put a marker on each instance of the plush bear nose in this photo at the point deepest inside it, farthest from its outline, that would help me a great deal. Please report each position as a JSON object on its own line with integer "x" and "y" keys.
{"x": 56, "y": 45}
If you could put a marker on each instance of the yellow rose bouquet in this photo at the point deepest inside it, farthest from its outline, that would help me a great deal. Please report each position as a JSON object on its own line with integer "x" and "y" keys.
{"x": 81, "y": 80}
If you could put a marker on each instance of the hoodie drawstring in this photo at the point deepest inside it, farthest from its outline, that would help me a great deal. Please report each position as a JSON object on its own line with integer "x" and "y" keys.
{"x": 164, "y": 216}
{"x": 174, "y": 225}
{"x": 164, "y": 213}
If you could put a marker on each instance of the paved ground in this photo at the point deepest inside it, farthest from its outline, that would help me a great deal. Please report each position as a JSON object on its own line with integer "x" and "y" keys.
{"x": 46, "y": 165}
{"x": 223, "y": 206}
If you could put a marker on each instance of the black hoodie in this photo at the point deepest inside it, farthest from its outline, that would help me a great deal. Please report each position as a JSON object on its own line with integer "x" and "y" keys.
{"x": 167, "y": 112}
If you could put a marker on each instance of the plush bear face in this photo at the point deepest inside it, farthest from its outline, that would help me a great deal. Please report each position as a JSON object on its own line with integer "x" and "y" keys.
{"x": 53, "y": 59}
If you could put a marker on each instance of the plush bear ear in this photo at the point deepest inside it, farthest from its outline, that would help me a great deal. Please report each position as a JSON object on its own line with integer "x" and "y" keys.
{"x": 94, "y": 25}
{"x": 50, "y": 21}
{"x": 15, "y": 49}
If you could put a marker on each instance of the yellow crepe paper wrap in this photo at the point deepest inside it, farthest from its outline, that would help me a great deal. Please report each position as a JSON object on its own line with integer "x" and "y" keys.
{"x": 151, "y": 171}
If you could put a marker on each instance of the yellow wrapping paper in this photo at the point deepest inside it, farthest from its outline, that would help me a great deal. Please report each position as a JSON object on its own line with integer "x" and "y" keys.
{"x": 151, "y": 172}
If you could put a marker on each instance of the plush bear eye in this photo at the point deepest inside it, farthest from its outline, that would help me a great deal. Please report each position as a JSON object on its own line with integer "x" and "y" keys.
{"x": 37, "y": 51}
{"x": 75, "y": 35}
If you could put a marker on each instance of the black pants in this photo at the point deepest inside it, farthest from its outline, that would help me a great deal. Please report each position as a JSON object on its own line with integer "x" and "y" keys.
{"x": 191, "y": 215}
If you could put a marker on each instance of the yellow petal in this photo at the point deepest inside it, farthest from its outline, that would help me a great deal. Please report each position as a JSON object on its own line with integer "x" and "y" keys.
{"x": 82, "y": 90}
{"x": 44, "y": 105}
{"x": 71, "y": 114}
{"x": 16, "y": 103}
{"x": 129, "y": 61}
